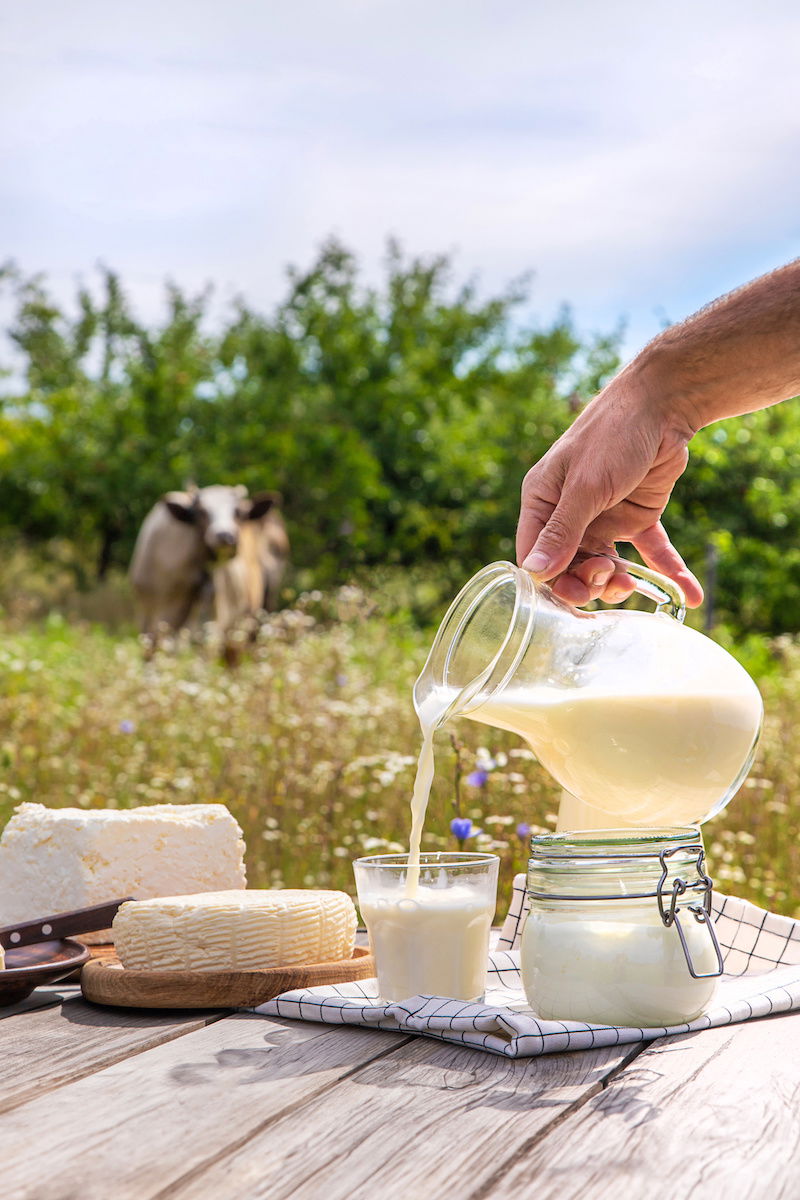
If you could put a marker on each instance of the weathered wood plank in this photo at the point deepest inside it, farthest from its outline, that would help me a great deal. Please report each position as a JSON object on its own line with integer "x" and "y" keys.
{"x": 48, "y": 1047}
{"x": 128, "y": 1131}
{"x": 428, "y": 1120}
{"x": 711, "y": 1114}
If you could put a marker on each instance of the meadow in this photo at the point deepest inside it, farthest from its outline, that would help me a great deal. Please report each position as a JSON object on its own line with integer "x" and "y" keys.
{"x": 312, "y": 744}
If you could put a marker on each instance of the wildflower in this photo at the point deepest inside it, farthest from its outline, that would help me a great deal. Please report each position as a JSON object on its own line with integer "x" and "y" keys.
{"x": 126, "y": 726}
{"x": 523, "y": 831}
{"x": 462, "y": 828}
{"x": 478, "y": 778}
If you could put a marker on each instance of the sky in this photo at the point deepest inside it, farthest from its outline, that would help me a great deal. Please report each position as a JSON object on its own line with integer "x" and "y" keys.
{"x": 639, "y": 160}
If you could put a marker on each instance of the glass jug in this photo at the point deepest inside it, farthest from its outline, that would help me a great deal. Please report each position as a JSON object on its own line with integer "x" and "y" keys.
{"x": 643, "y": 721}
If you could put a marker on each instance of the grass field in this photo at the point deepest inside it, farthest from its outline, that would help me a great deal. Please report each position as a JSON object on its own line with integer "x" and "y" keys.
{"x": 312, "y": 744}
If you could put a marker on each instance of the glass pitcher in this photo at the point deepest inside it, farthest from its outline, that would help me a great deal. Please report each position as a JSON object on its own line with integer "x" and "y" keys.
{"x": 643, "y": 721}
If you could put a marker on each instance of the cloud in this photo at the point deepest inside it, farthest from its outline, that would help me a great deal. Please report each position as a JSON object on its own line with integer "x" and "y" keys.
{"x": 633, "y": 161}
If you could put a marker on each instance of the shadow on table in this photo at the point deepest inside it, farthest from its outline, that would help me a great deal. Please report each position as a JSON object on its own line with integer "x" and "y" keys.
{"x": 547, "y": 1081}
{"x": 278, "y": 1052}
{"x": 78, "y": 1011}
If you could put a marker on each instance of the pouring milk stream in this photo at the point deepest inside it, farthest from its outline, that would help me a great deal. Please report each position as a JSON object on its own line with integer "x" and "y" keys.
{"x": 643, "y": 721}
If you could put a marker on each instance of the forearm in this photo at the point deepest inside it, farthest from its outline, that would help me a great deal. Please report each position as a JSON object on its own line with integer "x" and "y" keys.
{"x": 740, "y": 354}
{"x": 609, "y": 477}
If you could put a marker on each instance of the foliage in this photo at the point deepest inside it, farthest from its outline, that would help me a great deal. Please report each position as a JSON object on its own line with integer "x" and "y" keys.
{"x": 740, "y": 500}
{"x": 110, "y": 414}
{"x": 397, "y": 420}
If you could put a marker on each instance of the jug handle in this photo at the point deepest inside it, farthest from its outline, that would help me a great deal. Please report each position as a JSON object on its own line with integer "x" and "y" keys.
{"x": 666, "y": 594}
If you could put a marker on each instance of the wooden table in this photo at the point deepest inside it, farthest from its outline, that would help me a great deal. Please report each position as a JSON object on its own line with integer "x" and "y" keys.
{"x": 112, "y": 1104}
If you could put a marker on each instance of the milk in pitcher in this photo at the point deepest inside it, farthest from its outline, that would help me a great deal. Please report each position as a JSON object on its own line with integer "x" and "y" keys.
{"x": 642, "y": 720}
{"x": 641, "y": 760}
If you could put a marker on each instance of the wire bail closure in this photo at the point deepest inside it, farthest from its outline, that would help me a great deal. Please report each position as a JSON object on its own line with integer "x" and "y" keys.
{"x": 700, "y": 909}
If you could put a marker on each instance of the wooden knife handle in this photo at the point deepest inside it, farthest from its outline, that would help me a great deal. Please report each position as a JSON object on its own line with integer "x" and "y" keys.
{"x": 61, "y": 925}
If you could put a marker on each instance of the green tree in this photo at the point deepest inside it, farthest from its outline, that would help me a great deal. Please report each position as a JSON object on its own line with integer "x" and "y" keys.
{"x": 396, "y": 419}
{"x": 434, "y": 402}
{"x": 112, "y": 414}
{"x": 738, "y": 504}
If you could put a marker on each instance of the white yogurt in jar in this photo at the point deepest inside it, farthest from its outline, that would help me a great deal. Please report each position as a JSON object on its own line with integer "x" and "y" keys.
{"x": 614, "y": 964}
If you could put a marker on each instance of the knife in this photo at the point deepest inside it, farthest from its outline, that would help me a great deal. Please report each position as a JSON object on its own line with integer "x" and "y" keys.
{"x": 61, "y": 925}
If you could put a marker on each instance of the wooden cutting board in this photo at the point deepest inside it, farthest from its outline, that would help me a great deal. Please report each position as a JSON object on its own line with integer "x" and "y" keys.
{"x": 105, "y": 981}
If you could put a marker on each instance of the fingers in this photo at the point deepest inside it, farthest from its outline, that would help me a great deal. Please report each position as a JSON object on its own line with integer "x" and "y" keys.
{"x": 620, "y": 586}
{"x": 533, "y": 517}
{"x": 585, "y": 580}
{"x": 592, "y": 580}
{"x": 658, "y": 552}
{"x": 548, "y": 541}
{"x": 570, "y": 589}
{"x": 595, "y": 572}
{"x": 577, "y": 590}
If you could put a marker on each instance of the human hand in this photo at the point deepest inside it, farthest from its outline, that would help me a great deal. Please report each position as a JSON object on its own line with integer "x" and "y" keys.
{"x": 607, "y": 479}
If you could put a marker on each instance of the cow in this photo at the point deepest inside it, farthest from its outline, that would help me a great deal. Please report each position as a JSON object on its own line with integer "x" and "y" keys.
{"x": 217, "y": 536}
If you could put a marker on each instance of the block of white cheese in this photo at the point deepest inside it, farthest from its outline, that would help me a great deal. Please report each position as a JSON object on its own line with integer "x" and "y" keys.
{"x": 235, "y": 930}
{"x": 56, "y": 859}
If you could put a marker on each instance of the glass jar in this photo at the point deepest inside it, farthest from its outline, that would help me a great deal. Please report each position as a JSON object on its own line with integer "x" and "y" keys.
{"x": 619, "y": 930}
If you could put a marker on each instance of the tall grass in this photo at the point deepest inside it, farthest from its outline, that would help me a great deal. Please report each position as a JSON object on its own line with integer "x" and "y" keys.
{"x": 312, "y": 744}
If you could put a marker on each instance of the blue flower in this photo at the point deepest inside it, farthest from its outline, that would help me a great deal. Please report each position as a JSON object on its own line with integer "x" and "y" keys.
{"x": 462, "y": 828}
{"x": 126, "y": 726}
{"x": 478, "y": 778}
{"x": 523, "y": 832}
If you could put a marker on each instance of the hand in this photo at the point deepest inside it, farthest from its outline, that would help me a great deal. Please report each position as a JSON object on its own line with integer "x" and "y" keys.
{"x": 607, "y": 479}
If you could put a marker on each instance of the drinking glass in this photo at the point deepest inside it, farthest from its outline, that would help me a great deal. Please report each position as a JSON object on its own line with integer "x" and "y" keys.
{"x": 430, "y": 936}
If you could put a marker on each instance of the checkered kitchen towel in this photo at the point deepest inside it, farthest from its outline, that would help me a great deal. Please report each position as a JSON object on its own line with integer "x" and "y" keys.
{"x": 762, "y": 976}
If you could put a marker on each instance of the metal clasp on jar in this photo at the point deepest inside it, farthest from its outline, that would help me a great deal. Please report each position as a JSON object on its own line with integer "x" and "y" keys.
{"x": 699, "y": 908}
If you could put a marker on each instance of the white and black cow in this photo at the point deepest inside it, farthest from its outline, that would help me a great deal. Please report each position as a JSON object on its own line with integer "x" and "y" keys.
{"x": 217, "y": 535}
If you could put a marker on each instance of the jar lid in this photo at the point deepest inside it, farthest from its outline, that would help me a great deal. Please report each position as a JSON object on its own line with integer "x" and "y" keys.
{"x": 616, "y": 864}
{"x": 614, "y": 844}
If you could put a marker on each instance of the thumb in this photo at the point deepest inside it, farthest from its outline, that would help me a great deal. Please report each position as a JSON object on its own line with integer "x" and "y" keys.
{"x": 559, "y": 539}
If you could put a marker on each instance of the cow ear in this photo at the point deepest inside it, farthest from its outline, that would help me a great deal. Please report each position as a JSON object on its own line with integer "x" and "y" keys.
{"x": 261, "y": 503}
{"x": 181, "y": 505}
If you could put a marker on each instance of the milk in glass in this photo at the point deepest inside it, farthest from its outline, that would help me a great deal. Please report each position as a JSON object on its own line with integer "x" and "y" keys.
{"x": 434, "y": 942}
{"x": 429, "y": 936}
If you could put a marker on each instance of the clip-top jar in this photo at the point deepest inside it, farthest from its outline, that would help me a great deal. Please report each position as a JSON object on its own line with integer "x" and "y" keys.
{"x": 619, "y": 930}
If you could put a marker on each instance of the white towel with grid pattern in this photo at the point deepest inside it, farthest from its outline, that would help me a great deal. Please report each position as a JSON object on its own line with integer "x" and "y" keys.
{"x": 761, "y": 951}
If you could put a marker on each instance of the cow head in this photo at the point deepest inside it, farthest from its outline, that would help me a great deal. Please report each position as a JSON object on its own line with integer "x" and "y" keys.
{"x": 217, "y": 512}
